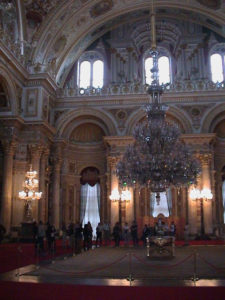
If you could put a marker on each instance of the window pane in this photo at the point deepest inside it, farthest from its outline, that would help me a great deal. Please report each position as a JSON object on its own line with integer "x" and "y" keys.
{"x": 148, "y": 67}
{"x": 98, "y": 72}
{"x": 85, "y": 74}
{"x": 216, "y": 68}
{"x": 164, "y": 70}
{"x": 162, "y": 208}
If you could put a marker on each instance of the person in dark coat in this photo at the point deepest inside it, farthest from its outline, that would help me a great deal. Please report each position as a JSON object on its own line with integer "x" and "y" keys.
{"x": 117, "y": 234}
{"x": 134, "y": 233}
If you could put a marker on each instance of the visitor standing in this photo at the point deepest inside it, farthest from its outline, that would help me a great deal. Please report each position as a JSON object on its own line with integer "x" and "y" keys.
{"x": 126, "y": 234}
{"x": 134, "y": 233}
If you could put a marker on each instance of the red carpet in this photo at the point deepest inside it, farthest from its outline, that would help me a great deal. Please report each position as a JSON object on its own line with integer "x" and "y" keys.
{"x": 17, "y": 255}
{"x": 33, "y": 291}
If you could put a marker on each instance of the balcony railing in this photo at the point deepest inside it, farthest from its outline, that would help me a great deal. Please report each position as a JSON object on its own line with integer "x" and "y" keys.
{"x": 138, "y": 88}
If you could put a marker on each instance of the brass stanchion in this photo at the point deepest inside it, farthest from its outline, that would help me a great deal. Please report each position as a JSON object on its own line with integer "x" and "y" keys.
{"x": 130, "y": 278}
{"x": 148, "y": 246}
{"x": 195, "y": 277}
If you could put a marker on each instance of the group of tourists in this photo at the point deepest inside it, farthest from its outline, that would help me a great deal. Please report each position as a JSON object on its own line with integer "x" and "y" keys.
{"x": 42, "y": 232}
{"x": 78, "y": 237}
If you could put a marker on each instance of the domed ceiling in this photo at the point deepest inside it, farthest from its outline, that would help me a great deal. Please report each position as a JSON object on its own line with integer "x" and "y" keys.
{"x": 58, "y": 31}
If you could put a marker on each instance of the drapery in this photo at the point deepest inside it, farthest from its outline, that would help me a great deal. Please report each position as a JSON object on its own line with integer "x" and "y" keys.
{"x": 98, "y": 196}
{"x": 223, "y": 195}
{"x": 162, "y": 208}
{"x": 152, "y": 203}
{"x": 169, "y": 200}
{"x": 83, "y": 195}
{"x": 91, "y": 214}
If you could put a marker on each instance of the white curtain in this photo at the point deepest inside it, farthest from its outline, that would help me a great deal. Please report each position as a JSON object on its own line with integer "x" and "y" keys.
{"x": 169, "y": 200}
{"x": 92, "y": 205}
{"x": 152, "y": 203}
{"x": 83, "y": 195}
{"x": 162, "y": 208}
{"x": 223, "y": 194}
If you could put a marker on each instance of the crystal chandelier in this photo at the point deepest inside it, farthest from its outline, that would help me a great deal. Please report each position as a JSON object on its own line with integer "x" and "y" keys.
{"x": 30, "y": 192}
{"x": 157, "y": 159}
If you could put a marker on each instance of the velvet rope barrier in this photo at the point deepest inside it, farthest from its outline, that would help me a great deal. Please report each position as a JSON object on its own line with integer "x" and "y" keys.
{"x": 87, "y": 272}
{"x": 166, "y": 267}
{"x": 218, "y": 269}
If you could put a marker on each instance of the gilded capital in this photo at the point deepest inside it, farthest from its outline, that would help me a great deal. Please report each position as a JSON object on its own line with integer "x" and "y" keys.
{"x": 204, "y": 158}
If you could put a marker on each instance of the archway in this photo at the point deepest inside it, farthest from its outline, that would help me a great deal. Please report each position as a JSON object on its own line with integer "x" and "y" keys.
{"x": 90, "y": 197}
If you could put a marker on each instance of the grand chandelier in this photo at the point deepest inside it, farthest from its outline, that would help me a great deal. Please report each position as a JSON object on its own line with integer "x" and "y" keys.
{"x": 158, "y": 158}
{"x": 30, "y": 192}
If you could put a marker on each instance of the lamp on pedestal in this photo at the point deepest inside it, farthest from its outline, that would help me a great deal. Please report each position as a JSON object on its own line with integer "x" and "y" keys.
{"x": 124, "y": 197}
{"x": 202, "y": 195}
{"x": 29, "y": 194}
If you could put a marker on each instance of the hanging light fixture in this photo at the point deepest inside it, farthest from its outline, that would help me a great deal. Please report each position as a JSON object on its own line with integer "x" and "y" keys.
{"x": 30, "y": 192}
{"x": 157, "y": 159}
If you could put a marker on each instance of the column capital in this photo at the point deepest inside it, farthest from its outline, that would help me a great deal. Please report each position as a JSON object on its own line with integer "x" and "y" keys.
{"x": 35, "y": 150}
{"x": 9, "y": 147}
{"x": 205, "y": 158}
{"x": 113, "y": 160}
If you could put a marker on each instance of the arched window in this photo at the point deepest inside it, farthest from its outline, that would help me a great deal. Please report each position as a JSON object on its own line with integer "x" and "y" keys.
{"x": 217, "y": 67}
{"x": 85, "y": 74}
{"x": 98, "y": 72}
{"x": 164, "y": 206}
{"x": 164, "y": 69}
{"x": 90, "y": 70}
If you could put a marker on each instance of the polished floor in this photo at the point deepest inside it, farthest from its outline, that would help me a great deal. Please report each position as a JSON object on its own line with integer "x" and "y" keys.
{"x": 191, "y": 266}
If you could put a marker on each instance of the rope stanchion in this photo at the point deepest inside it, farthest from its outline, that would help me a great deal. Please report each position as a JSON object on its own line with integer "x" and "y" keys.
{"x": 130, "y": 278}
{"x": 195, "y": 277}
{"x": 159, "y": 266}
{"x": 218, "y": 269}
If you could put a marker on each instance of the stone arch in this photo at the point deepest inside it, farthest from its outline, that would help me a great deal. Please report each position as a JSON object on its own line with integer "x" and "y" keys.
{"x": 68, "y": 121}
{"x": 173, "y": 113}
{"x": 10, "y": 89}
{"x": 212, "y": 118}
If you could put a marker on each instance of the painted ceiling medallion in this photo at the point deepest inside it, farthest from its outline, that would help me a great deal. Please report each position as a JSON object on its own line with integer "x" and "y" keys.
{"x": 101, "y": 8}
{"x": 213, "y": 4}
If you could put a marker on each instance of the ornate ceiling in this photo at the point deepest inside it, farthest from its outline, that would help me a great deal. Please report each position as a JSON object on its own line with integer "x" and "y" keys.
{"x": 58, "y": 31}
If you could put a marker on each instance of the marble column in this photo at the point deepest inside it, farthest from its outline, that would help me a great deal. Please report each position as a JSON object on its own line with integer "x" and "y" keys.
{"x": 206, "y": 183}
{"x": 42, "y": 202}
{"x": 114, "y": 185}
{"x": 6, "y": 209}
{"x": 56, "y": 193}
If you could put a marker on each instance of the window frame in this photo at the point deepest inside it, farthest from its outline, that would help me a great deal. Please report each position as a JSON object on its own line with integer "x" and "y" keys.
{"x": 91, "y": 57}
{"x": 218, "y": 49}
{"x": 162, "y": 52}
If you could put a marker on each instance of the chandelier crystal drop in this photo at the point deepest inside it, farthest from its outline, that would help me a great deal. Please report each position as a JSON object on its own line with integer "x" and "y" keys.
{"x": 158, "y": 158}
